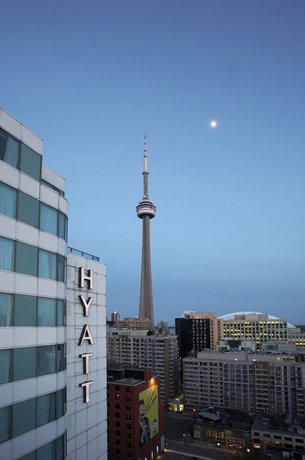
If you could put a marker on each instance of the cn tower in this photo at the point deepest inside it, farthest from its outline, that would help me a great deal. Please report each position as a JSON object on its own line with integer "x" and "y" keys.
{"x": 146, "y": 210}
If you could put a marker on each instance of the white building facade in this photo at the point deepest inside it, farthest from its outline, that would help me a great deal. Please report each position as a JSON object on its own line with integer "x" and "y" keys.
{"x": 36, "y": 386}
{"x": 257, "y": 382}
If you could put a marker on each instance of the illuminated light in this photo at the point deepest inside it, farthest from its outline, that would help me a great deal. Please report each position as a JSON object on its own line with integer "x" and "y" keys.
{"x": 213, "y": 124}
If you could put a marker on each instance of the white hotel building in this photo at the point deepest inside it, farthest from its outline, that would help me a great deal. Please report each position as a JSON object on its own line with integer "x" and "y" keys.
{"x": 53, "y": 400}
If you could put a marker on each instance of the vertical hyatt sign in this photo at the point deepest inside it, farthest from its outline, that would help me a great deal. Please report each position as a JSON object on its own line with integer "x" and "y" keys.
{"x": 85, "y": 281}
{"x": 85, "y": 335}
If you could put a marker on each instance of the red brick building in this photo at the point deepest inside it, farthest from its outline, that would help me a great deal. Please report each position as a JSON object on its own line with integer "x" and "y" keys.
{"x": 135, "y": 415}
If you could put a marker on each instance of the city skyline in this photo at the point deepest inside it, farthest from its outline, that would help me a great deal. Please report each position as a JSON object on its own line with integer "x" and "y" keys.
{"x": 93, "y": 79}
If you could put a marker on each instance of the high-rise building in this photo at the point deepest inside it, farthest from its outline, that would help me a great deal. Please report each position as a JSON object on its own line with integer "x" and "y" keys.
{"x": 146, "y": 210}
{"x": 259, "y": 327}
{"x": 135, "y": 414}
{"x": 197, "y": 331}
{"x": 141, "y": 349}
{"x": 257, "y": 382}
{"x": 52, "y": 352}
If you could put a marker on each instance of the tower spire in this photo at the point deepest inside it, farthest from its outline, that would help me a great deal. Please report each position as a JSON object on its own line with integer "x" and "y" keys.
{"x": 146, "y": 210}
{"x": 145, "y": 170}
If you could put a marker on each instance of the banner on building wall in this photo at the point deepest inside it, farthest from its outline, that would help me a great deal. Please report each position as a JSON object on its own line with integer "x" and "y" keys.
{"x": 148, "y": 414}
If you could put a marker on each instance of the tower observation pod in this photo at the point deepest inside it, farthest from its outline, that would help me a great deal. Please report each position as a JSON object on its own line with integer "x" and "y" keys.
{"x": 146, "y": 210}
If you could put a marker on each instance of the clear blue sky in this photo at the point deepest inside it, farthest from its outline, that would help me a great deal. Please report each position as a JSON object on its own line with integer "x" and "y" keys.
{"x": 91, "y": 78}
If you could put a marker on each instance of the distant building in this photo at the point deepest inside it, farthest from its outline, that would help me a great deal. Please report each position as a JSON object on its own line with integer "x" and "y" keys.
{"x": 149, "y": 351}
{"x": 135, "y": 415}
{"x": 259, "y": 327}
{"x": 133, "y": 323}
{"x": 296, "y": 335}
{"x": 236, "y": 345}
{"x": 269, "y": 433}
{"x": 197, "y": 331}
{"x": 115, "y": 316}
{"x": 228, "y": 429}
{"x": 256, "y": 382}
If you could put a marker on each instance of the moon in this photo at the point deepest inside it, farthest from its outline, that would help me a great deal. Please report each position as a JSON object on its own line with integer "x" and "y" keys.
{"x": 213, "y": 123}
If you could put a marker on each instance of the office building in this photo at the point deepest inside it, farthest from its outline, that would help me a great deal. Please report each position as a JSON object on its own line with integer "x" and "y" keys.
{"x": 257, "y": 382}
{"x": 296, "y": 335}
{"x": 197, "y": 331}
{"x": 49, "y": 399}
{"x": 259, "y": 327}
{"x": 138, "y": 348}
{"x": 135, "y": 414}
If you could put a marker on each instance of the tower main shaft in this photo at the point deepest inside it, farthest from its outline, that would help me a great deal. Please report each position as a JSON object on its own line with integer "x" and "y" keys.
{"x": 146, "y": 210}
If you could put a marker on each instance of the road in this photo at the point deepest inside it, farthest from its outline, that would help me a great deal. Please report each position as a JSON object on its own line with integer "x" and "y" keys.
{"x": 176, "y": 448}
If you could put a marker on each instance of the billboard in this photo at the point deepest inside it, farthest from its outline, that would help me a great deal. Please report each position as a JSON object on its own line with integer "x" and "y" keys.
{"x": 148, "y": 414}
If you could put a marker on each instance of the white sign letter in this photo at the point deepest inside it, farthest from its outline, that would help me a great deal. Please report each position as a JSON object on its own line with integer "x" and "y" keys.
{"x": 85, "y": 386}
{"x": 83, "y": 278}
{"x": 86, "y": 357}
{"x": 85, "y": 336}
{"x": 86, "y": 304}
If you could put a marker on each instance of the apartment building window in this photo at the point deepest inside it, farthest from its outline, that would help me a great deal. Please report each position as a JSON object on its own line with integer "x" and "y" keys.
{"x": 7, "y": 254}
{"x": 9, "y": 149}
{"x": 48, "y": 219}
{"x": 23, "y": 257}
{"x": 30, "y": 162}
{"x": 24, "y": 310}
{"x": 25, "y": 416}
{"x": 29, "y": 362}
{"x": 8, "y": 200}
{"x": 17, "y": 204}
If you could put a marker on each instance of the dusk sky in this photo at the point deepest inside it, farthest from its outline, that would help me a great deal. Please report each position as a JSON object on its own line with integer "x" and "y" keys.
{"x": 91, "y": 78}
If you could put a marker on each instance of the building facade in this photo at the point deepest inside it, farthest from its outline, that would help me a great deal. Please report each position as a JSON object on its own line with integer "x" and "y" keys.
{"x": 86, "y": 357}
{"x": 259, "y": 327}
{"x": 156, "y": 352}
{"x": 35, "y": 383}
{"x": 258, "y": 382}
{"x": 135, "y": 415}
{"x": 197, "y": 331}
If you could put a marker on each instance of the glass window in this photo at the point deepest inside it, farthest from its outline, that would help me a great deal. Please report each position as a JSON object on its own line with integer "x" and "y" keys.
{"x": 6, "y": 309}
{"x": 7, "y": 250}
{"x": 30, "y": 456}
{"x": 48, "y": 219}
{"x": 60, "y": 451}
{"x": 61, "y": 267}
{"x": 60, "y": 403}
{"x": 25, "y": 310}
{"x": 47, "y": 264}
{"x": 8, "y": 199}
{"x": 46, "y": 360}
{"x": 30, "y": 162}
{"x": 61, "y": 358}
{"x": 26, "y": 259}
{"x": 5, "y": 423}
{"x": 24, "y": 417}
{"x": 5, "y": 366}
{"x": 62, "y": 220}
{"x": 28, "y": 209}
{"x": 9, "y": 149}
{"x": 61, "y": 317}
{"x": 24, "y": 360}
{"x": 46, "y": 312}
{"x": 46, "y": 408}
{"x": 47, "y": 452}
